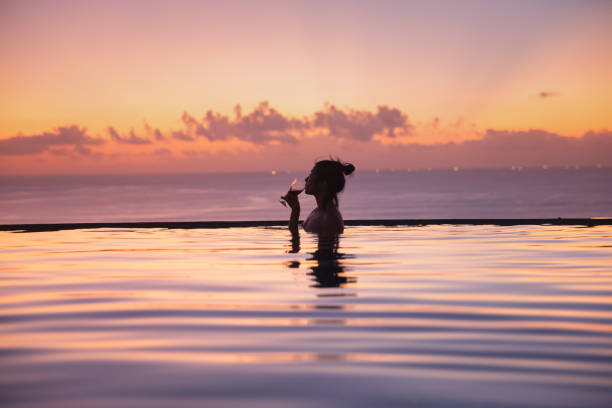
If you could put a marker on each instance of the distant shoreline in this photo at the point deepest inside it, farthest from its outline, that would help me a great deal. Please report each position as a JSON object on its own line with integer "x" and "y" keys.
{"x": 589, "y": 222}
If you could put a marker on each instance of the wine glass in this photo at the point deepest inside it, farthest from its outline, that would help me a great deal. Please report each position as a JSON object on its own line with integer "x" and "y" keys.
{"x": 296, "y": 187}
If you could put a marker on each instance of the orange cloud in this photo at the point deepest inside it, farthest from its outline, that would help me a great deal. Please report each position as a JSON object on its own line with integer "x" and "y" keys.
{"x": 131, "y": 139}
{"x": 266, "y": 139}
{"x": 68, "y": 138}
{"x": 263, "y": 125}
{"x": 362, "y": 125}
{"x": 156, "y": 133}
{"x": 547, "y": 94}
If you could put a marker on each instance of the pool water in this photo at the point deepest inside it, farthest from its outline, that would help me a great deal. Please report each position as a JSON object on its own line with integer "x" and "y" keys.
{"x": 399, "y": 316}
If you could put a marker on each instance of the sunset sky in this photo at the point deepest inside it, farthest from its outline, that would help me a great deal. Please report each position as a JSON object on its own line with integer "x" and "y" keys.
{"x": 159, "y": 86}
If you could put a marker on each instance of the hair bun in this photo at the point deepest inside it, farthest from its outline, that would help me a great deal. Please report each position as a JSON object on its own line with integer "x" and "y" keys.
{"x": 348, "y": 168}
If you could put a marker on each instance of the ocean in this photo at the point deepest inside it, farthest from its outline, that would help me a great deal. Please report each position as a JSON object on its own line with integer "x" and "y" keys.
{"x": 501, "y": 193}
{"x": 431, "y": 315}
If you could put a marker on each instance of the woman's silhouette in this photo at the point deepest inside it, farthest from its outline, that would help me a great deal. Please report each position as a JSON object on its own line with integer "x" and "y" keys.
{"x": 325, "y": 181}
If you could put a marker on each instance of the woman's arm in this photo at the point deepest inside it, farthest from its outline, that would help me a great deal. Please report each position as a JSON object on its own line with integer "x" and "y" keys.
{"x": 292, "y": 200}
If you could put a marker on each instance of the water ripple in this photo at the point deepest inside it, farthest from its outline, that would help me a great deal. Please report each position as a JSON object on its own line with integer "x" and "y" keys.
{"x": 437, "y": 316}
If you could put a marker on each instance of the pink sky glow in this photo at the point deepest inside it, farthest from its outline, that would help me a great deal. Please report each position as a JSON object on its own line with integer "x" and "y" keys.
{"x": 187, "y": 86}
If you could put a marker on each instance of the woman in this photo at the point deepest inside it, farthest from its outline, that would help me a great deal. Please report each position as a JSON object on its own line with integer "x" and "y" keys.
{"x": 325, "y": 181}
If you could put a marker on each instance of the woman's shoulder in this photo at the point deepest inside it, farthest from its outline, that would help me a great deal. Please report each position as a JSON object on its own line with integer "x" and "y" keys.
{"x": 324, "y": 222}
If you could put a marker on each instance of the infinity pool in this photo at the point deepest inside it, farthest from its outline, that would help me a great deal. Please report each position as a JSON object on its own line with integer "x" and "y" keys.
{"x": 405, "y": 316}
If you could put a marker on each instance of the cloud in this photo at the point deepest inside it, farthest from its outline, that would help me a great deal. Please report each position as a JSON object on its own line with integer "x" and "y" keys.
{"x": 263, "y": 125}
{"x": 74, "y": 152}
{"x": 387, "y": 139}
{"x": 163, "y": 152}
{"x": 362, "y": 125}
{"x": 85, "y": 151}
{"x": 503, "y": 148}
{"x": 179, "y": 135}
{"x": 66, "y": 136}
{"x": 61, "y": 151}
{"x": 157, "y": 134}
{"x": 132, "y": 139}
{"x": 547, "y": 94}
{"x": 266, "y": 125}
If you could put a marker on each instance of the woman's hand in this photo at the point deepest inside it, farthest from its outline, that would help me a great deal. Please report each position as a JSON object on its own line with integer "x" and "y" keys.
{"x": 291, "y": 198}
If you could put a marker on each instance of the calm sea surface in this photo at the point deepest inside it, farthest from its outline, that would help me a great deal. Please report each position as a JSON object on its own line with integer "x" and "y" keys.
{"x": 530, "y": 193}
{"x": 457, "y": 316}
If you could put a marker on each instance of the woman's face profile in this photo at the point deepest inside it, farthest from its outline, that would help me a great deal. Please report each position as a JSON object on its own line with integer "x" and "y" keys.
{"x": 310, "y": 187}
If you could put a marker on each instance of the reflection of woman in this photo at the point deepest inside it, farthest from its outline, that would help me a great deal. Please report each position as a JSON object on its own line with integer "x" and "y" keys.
{"x": 325, "y": 181}
{"x": 328, "y": 271}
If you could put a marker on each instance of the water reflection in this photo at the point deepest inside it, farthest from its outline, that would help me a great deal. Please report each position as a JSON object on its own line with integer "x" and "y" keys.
{"x": 328, "y": 270}
{"x": 474, "y": 314}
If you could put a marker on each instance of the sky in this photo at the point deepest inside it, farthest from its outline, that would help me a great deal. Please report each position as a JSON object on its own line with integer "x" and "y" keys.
{"x": 190, "y": 86}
